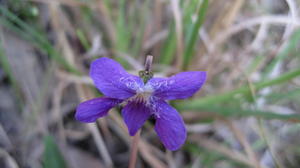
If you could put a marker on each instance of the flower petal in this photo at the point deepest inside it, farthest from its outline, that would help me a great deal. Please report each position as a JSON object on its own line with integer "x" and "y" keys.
{"x": 180, "y": 86}
{"x": 169, "y": 126}
{"x": 112, "y": 79}
{"x": 91, "y": 110}
{"x": 135, "y": 114}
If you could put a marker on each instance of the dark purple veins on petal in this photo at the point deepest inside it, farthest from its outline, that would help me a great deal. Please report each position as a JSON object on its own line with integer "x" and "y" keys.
{"x": 135, "y": 114}
{"x": 169, "y": 126}
{"x": 91, "y": 110}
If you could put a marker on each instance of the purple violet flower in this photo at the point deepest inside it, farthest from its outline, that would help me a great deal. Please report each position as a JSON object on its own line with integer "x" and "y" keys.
{"x": 141, "y": 100}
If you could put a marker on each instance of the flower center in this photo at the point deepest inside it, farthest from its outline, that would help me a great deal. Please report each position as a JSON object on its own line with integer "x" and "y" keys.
{"x": 143, "y": 94}
{"x": 142, "y": 97}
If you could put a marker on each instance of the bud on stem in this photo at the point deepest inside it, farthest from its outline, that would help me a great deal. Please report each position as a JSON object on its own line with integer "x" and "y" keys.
{"x": 147, "y": 74}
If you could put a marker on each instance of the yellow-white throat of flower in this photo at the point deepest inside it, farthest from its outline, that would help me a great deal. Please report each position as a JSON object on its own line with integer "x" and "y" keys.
{"x": 143, "y": 95}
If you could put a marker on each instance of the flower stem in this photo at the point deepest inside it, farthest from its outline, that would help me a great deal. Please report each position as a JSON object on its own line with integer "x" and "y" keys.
{"x": 134, "y": 149}
{"x": 145, "y": 75}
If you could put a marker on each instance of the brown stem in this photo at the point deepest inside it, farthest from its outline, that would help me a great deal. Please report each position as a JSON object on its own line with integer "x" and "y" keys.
{"x": 134, "y": 149}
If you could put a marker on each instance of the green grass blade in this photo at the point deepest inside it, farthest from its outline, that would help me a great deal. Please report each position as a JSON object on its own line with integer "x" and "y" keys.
{"x": 85, "y": 43}
{"x": 291, "y": 46}
{"x": 238, "y": 112}
{"x": 52, "y": 156}
{"x": 193, "y": 36}
{"x": 140, "y": 25}
{"x": 209, "y": 100}
{"x": 123, "y": 35}
{"x": 258, "y": 60}
{"x": 286, "y": 96}
{"x": 169, "y": 47}
{"x": 6, "y": 66}
{"x": 4, "y": 63}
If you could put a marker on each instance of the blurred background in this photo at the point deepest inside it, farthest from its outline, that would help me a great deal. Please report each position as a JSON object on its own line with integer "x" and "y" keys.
{"x": 246, "y": 115}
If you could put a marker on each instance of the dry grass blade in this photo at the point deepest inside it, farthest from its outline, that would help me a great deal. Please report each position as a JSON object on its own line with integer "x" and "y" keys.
{"x": 144, "y": 147}
{"x": 66, "y": 48}
{"x": 242, "y": 138}
{"x": 150, "y": 158}
{"x": 73, "y": 3}
{"x": 7, "y": 160}
{"x": 75, "y": 78}
{"x": 57, "y": 98}
{"x": 100, "y": 144}
{"x": 170, "y": 159}
{"x": 47, "y": 47}
{"x": 213, "y": 145}
{"x": 4, "y": 139}
{"x": 107, "y": 21}
{"x": 274, "y": 20}
{"x": 294, "y": 15}
{"x": 156, "y": 38}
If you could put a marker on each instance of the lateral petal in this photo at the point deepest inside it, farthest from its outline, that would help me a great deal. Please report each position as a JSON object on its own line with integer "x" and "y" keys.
{"x": 91, "y": 110}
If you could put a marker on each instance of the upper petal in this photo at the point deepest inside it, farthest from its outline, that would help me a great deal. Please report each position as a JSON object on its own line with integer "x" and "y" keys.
{"x": 112, "y": 79}
{"x": 169, "y": 126}
{"x": 135, "y": 114}
{"x": 179, "y": 86}
{"x": 91, "y": 110}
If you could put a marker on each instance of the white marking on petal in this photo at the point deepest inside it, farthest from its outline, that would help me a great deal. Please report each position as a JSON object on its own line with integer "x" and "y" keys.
{"x": 164, "y": 83}
{"x": 130, "y": 83}
{"x": 143, "y": 95}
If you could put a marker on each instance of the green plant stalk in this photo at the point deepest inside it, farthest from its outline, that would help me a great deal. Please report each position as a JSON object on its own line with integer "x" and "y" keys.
{"x": 169, "y": 47}
{"x": 140, "y": 21}
{"x": 209, "y": 100}
{"x": 8, "y": 70}
{"x": 123, "y": 34}
{"x": 189, "y": 51}
{"x": 238, "y": 112}
{"x": 82, "y": 39}
{"x": 52, "y": 156}
{"x": 289, "y": 95}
